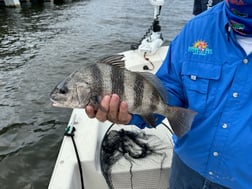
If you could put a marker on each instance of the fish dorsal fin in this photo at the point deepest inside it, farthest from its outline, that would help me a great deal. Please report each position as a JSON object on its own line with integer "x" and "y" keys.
{"x": 113, "y": 60}
{"x": 155, "y": 81}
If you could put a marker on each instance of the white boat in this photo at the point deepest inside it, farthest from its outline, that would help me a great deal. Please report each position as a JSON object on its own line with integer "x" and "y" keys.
{"x": 79, "y": 163}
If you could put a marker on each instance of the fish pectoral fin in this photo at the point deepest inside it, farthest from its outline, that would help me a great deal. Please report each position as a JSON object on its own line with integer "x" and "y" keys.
{"x": 149, "y": 119}
{"x": 180, "y": 120}
{"x": 95, "y": 101}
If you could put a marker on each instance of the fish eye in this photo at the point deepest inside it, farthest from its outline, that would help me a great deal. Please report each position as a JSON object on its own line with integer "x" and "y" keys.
{"x": 63, "y": 90}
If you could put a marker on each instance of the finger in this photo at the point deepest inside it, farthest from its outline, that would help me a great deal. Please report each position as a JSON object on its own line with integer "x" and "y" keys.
{"x": 90, "y": 111}
{"x": 123, "y": 116}
{"x": 114, "y": 107}
{"x": 102, "y": 111}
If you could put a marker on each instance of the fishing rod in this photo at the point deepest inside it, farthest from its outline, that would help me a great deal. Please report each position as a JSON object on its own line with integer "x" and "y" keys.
{"x": 152, "y": 39}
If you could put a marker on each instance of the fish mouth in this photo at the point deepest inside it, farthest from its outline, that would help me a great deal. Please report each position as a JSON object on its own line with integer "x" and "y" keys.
{"x": 59, "y": 105}
{"x": 62, "y": 105}
{"x": 55, "y": 104}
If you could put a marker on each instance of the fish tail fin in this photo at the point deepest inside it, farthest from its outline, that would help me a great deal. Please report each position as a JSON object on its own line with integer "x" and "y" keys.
{"x": 180, "y": 119}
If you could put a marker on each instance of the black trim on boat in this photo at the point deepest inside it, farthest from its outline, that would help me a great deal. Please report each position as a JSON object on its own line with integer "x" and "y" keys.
{"x": 69, "y": 131}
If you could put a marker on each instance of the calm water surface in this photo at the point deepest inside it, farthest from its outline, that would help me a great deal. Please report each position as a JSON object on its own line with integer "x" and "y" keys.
{"x": 40, "y": 45}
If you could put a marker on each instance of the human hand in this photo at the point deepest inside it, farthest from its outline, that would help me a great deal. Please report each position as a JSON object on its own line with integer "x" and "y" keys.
{"x": 110, "y": 109}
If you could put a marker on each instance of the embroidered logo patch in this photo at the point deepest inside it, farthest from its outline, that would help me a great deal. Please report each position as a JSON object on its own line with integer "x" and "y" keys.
{"x": 200, "y": 48}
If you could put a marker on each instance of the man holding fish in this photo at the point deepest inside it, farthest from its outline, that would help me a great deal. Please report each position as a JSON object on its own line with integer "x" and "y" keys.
{"x": 207, "y": 70}
{"x": 213, "y": 79}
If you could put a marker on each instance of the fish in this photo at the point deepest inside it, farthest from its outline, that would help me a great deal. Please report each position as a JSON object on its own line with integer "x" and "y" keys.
{"x": 143, "y": 91}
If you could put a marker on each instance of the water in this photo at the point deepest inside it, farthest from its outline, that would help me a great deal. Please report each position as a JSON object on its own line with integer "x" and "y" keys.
{"x": 40, "y": 45}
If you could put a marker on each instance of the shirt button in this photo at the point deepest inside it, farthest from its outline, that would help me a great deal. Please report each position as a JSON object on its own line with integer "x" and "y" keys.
{"x": 245, "y": 61}
{"x": 215, "y": 154}
{"x": 235, "y": 94}
{"x": 210, "y": 173}
{"x": 224, "y": 125}
{"x": 193, "y": 77}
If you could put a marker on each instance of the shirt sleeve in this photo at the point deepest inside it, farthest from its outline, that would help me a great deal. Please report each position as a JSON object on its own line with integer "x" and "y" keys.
{"x": 169, "y": 74}
{"x": 140, "y": 123}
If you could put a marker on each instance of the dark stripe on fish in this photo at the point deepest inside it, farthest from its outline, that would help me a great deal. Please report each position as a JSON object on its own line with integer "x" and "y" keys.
{"x": 154, "y": 99}
{"x": 96, "y": 74}
{"x": 139, "y": 90}
{"x": 117, "y": 79}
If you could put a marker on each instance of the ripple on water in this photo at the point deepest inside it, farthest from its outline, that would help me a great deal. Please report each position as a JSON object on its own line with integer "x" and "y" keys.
{"x": 14, "y": 137}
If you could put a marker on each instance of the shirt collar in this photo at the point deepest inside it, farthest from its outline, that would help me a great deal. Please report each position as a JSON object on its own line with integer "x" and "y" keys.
{"x": 225, "y": 24}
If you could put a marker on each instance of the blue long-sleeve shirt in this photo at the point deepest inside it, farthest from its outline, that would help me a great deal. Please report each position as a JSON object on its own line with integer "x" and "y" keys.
{"x": 207, "y": 71}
